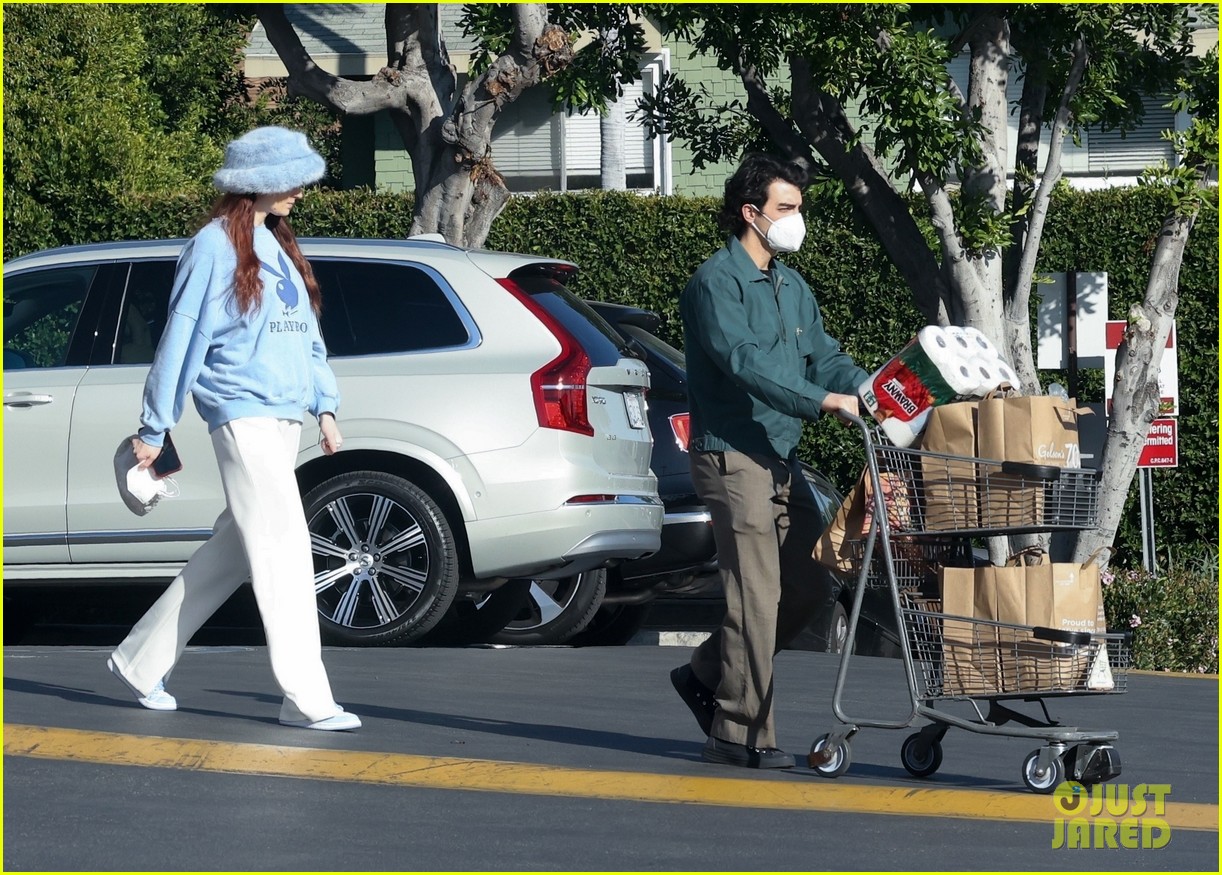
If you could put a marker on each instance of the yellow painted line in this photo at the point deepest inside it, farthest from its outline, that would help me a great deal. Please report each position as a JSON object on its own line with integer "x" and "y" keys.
{"x": 450, "y": 773}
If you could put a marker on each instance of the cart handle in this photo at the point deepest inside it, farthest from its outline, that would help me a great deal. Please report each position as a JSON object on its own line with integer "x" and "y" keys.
{"x": 1029, "y": 471}
{"x": 1060, "y": 635}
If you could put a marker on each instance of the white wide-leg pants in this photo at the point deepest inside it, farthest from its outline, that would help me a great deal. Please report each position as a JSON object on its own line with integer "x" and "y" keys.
{"x": 261, "y": 534}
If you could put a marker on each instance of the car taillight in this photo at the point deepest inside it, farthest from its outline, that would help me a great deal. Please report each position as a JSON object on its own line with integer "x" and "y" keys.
{"x": 681, "y": 425}
{"x": 559, "y": 387}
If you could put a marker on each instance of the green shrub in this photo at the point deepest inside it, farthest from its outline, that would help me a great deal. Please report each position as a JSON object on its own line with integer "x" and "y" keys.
{"x": 641, "y": 250}
{"x": 1173, "y": 615}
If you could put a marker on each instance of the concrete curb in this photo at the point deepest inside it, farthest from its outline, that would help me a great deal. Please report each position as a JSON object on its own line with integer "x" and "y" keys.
{"x": 671, "y": 639}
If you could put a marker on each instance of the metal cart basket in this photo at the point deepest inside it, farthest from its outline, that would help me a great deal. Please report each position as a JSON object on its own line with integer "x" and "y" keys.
{"x": 926, "y": 508}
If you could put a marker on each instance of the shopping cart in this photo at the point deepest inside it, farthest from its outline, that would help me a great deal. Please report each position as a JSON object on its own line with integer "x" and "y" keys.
{"x": 927, "y": 507}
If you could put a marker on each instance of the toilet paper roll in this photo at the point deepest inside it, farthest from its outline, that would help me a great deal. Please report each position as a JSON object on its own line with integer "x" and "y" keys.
{"x": 986, "y": 373}
{"x": 1006, "y": 374}
{"x": 938, "y": 347}
{"x": 979, "y": 344}
{"x": 959, "y": 340}
{"x": 949, "y": 356}
{"x": 961, "y": 377}
{"x": 933, "y": 337}
{"x": 910, "y": 383}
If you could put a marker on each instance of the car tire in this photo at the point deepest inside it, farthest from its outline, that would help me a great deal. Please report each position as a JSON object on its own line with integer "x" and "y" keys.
{"x": 612, "y": 626}
{"x": 368, "y": 594}
{"x": 475, "y": 621}
{"x": 826, "y": 633}
{"x": 837, "y": 629}
{"x": 556, "y": 610}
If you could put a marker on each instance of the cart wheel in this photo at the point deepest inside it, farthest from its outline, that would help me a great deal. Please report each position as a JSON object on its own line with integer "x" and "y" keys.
{"x": 830, "y": 763}
{"x": 920, "y": 759}
{"x": 1049, "y": 780}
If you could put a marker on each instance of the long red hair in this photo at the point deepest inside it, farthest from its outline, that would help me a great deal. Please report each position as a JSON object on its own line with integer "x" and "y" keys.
{"x": 238, "y": 211}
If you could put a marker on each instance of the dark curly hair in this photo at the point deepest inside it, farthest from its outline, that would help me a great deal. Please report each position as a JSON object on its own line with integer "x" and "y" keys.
{"x": 749, "y": 185}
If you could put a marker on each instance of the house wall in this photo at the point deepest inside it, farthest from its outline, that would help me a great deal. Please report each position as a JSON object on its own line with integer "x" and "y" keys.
{"x": 349, "y": 39}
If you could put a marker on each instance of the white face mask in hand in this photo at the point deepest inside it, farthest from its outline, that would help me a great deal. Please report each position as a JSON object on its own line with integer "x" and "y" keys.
{"x": 138, "y": 489}
{"x": 144, "y": 486}
{"x": 784, "y": 235}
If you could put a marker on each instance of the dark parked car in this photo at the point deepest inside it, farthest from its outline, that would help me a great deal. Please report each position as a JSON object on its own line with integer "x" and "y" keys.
{"x": 607, "y": 605}
{"x": 615, "y": 601}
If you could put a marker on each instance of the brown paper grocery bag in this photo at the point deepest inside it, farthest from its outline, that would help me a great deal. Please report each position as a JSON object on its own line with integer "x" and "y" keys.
{"x": 949, "y": 485}
{"x": 1009, "y": 600}
{"x": 969, "y": 650}
{"x": 1042, "y": 429}
{"x": 836, "y": 547}
{"x": 1065, "y": 596}
{"x": 1037, "y": 429}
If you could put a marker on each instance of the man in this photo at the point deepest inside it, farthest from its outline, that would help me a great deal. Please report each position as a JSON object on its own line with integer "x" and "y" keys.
{"x": 758, "y": 363}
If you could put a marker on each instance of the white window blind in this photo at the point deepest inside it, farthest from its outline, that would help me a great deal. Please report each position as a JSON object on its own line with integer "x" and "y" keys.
{"x": 1112, "y": 153}
{"x": 530, "y": 144}
{"x": 583, "y": 138}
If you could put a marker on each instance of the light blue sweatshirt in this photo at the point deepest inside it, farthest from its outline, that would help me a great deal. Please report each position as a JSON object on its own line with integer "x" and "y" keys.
{"x": 268, "y": 362}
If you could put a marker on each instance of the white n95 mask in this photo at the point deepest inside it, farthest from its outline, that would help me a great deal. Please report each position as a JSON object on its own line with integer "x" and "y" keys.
{"x": 138, "y": 488}
{"x": 784, "y": 235}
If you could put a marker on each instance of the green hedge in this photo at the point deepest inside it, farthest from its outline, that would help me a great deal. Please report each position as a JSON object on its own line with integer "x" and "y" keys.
{"x": 1172, "y": 616}
{"x": 641, "y": 250}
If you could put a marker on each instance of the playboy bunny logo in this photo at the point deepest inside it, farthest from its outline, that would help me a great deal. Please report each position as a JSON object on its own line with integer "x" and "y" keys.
{"x": 285, "y": 290}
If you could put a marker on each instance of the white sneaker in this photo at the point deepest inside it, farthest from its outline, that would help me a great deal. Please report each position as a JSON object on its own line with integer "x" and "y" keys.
{"x": 335, "y": 723}
{"x": 157, "y": 700}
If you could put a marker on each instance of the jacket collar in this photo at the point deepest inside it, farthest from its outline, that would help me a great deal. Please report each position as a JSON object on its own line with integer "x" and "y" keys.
{"x": 746, "y": 269}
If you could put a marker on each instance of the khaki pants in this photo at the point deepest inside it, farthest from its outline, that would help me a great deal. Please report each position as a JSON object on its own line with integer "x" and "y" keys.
{"x": 262, "y": 536}
{"x": 765, "y": 522}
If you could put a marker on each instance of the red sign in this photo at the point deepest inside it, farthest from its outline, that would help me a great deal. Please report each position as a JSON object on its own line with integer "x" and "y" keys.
{"x": 1162, "y": 445}
{"x": 1168, "y": 370}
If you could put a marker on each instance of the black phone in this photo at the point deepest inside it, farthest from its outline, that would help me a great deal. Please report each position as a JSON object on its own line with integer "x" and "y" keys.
{"x": 167, "y": 462}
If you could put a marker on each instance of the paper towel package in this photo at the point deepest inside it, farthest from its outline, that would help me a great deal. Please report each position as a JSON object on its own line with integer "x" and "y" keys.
{"x": 901, "y": 393}
{"x": 938, "y": 366}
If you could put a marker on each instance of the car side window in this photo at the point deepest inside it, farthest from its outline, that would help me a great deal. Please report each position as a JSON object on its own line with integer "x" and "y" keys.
{"x": 373, "y": 307}
{"x": 145, "y": 308}
{"x": 40, "y": 315}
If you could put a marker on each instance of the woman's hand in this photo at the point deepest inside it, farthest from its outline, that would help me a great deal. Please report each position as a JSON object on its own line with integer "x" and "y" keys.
{"x": 331, "y": 440}
{"x": 145, "y": 455}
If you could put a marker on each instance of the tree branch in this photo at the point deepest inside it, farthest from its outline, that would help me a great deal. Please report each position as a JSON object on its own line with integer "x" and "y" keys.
{"x": 966, "y": 307}
{"x": 822, "y": 119}
{"x": 999, "y": 10}
{"x": 760, "y": 105}
{"x": 1017, "y": 315}
{"x": 1026, "y": 167}
{"x": 307, "y": 79}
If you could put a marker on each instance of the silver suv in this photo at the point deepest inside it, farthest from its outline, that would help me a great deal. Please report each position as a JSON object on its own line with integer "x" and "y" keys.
{"x": 493, "y": 428}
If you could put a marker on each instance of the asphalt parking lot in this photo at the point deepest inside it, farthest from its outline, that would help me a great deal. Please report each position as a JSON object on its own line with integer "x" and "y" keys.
{"x": 543, "y": 759}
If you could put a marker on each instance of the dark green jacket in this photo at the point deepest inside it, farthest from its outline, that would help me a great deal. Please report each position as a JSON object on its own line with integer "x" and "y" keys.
{"x": 758, "y": 359}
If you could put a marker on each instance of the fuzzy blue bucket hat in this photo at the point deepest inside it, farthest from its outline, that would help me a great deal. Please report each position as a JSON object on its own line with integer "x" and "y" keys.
{"x": 269, "y": 160}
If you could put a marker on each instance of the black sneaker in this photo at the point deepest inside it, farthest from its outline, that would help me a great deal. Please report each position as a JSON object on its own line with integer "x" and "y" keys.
{"x": 730, "y": 754}
{"x": 699, "y": 698}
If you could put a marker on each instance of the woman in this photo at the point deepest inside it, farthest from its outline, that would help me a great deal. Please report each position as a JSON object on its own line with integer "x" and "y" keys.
{"x": 243, "y": 339}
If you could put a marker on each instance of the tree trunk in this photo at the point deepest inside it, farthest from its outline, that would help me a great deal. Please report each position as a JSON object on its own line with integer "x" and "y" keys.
{"x": 613, "y": 173}
{"x": 448, "y": 136}
{"x": 1135, "y": 397}
{"x": 989, "y": 72}
{"x": 1018, "y": 295}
